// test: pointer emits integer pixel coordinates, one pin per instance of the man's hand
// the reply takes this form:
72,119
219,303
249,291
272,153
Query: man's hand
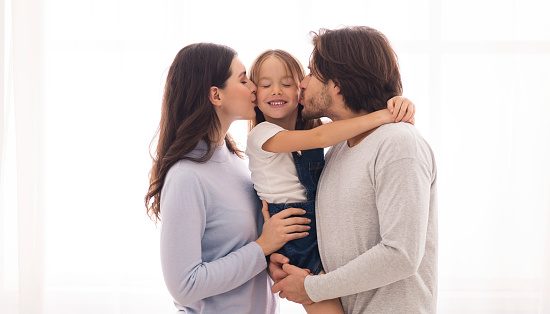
292,287
275,267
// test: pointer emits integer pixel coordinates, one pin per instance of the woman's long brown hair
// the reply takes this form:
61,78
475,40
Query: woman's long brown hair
294,67
187,115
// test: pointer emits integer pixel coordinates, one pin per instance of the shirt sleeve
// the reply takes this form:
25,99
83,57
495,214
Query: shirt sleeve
258,136
402,199
187,277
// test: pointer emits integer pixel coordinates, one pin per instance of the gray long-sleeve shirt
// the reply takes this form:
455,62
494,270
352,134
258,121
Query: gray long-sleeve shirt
377,224
210,217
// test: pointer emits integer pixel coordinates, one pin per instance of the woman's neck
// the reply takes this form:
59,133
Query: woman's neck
220,138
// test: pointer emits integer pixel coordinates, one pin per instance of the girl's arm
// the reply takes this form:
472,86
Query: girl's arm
338,131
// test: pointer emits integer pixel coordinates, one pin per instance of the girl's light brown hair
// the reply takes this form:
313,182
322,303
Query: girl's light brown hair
294,67
187,115
361,62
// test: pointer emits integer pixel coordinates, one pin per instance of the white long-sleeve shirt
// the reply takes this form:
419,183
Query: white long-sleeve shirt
210,217
377,224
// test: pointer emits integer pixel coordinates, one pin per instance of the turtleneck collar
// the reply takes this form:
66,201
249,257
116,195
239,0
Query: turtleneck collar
221,153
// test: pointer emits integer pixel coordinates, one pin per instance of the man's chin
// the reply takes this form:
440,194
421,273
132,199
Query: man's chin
309,115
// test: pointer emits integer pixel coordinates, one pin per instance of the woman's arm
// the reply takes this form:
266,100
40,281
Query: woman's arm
399,109
190,278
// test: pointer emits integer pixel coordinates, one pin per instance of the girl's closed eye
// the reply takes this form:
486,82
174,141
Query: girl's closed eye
288,83
264,83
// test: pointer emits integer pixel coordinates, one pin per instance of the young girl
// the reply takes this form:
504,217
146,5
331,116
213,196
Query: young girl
286,169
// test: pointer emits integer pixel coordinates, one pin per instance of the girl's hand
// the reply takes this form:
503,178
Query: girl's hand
402,109
281,228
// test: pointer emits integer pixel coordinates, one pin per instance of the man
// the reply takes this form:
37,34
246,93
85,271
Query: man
376,201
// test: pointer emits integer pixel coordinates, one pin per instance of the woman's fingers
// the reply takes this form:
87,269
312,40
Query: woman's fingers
296,221
265,211
290,212
296,228
294,236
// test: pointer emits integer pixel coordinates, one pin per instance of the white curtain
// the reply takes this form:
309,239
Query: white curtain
81,84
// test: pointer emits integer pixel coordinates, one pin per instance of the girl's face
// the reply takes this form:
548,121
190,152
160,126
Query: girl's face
278,92
239,95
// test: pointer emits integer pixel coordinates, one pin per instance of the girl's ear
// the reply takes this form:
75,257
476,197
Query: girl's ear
214,96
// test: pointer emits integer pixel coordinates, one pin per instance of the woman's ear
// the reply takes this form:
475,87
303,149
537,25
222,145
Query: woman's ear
214,96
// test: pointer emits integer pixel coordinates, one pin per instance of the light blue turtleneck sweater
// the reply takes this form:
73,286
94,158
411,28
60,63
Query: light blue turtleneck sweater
211,217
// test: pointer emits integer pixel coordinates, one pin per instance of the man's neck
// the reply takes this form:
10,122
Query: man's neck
356,140
347,114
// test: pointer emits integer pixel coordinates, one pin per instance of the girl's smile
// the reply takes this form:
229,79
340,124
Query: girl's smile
278,93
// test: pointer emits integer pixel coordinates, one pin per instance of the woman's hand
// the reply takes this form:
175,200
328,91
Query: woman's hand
281,228
402,109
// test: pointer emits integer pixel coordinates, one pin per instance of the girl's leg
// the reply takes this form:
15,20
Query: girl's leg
325,307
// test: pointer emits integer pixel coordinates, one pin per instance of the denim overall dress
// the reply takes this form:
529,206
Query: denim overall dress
304,252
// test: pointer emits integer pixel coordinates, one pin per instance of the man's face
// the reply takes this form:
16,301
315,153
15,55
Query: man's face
315,98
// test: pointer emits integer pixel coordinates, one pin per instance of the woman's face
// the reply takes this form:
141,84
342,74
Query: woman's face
239,95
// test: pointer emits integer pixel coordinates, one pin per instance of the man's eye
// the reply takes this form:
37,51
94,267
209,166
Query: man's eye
265,86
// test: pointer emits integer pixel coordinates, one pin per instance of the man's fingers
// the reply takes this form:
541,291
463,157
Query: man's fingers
277,287
278,258
282,295
290,269
265,210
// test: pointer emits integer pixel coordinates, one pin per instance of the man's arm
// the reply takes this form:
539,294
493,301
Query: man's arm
403,196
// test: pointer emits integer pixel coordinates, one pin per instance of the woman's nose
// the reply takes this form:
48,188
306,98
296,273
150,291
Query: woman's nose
253,87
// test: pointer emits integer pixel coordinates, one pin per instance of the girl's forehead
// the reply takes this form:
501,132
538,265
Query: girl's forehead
273,63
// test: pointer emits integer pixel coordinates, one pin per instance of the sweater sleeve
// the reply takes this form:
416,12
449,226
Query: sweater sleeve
402,198
184,214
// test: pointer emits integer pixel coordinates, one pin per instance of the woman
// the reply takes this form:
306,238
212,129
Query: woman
212,258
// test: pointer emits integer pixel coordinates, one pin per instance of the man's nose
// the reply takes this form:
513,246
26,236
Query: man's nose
304,82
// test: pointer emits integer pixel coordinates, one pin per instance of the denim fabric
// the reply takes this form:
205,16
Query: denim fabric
304,252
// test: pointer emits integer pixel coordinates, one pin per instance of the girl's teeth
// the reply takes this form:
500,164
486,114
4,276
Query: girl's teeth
277,103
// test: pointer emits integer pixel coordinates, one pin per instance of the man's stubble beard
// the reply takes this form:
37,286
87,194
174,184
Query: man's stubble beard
317,106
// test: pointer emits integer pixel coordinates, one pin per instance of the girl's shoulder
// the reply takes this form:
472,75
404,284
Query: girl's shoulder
260,134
